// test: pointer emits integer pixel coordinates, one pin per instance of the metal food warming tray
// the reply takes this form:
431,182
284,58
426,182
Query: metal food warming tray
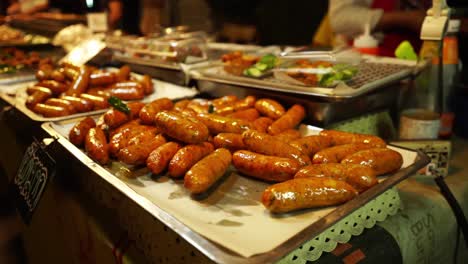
162,198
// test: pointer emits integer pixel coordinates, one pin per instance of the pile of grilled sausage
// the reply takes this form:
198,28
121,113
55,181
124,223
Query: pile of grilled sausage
69,89
199,139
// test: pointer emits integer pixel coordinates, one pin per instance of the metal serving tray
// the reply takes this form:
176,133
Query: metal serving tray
18,96
371,76
164,199
19,76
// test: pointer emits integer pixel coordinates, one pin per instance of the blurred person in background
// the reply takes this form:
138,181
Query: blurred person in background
394,20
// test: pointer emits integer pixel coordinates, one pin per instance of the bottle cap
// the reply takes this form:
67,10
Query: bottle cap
453,26
366,40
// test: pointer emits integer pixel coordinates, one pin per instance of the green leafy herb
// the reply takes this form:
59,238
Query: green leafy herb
118,104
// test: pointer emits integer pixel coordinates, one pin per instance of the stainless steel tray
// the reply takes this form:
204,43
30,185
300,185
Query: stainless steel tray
135,191
371,76
20,76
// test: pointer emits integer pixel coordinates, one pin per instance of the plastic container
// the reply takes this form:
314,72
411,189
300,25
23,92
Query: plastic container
366,43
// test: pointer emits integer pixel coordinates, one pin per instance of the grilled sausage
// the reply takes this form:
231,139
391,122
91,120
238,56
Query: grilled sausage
70,73
222,124
50,110
62,103
149,111
246,103
288,135
268,168
31,89
381,160
99,102
207,171
289,120
186,157
199,106
229,141
57,76
80,84
147,84
337,153
310,145
340,138
54,86
265,144
159,158
120,137
96,145
270,108
123,74
181,105
44,74
128,93
79,131
261,124
102,79
114,118
137,153
359,176
37,97
250,114
185,129
305,193
80,104
227,99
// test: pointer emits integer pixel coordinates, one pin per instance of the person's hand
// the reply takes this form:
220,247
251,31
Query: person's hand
14,9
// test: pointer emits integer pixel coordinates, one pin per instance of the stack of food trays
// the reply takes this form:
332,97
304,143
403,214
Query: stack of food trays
369,87
68,91
14,37
224,173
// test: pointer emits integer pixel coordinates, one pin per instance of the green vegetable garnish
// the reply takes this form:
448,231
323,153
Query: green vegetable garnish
265,63
118,104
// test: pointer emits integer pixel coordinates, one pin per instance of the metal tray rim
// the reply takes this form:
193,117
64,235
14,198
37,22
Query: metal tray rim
218,253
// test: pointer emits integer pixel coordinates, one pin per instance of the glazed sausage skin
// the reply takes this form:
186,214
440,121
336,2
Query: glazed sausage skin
289,120
186,157
381,160
265,144
310,145
261,124
149,111
341,138
270,108
231,141
207,171
288,135
147,84
102,78
79,131
246,103
185,129
96,145
222,124
123,74
227,99
80,84
54,86
181,105
39,96
62,103
337,153
159,159
50,110
250,114
114,118
305,193
359,176
267,168
99,102
81,105
136,153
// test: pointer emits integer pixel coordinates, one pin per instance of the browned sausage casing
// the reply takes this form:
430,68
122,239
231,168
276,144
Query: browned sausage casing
99,102
250,114
261,124
120,137
337,153
102,78
207,171
268,168
123,74
80,84
149,111
32,89
50,110
137,153
227,99
270,108
310,145
81,105
246,103
289,120
341,137
37,97
288,135
269,145
219,124
114,118
62,103
96,145
359,176
305,193
79,131
147,84
159,158
229,141
185,129
54,86
181,105
381,160
187,156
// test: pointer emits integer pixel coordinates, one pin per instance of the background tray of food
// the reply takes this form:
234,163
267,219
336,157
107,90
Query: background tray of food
13,37
18,97
370,76
228,222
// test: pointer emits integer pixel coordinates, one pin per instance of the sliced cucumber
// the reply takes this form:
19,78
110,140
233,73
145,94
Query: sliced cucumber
261,66
254,72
